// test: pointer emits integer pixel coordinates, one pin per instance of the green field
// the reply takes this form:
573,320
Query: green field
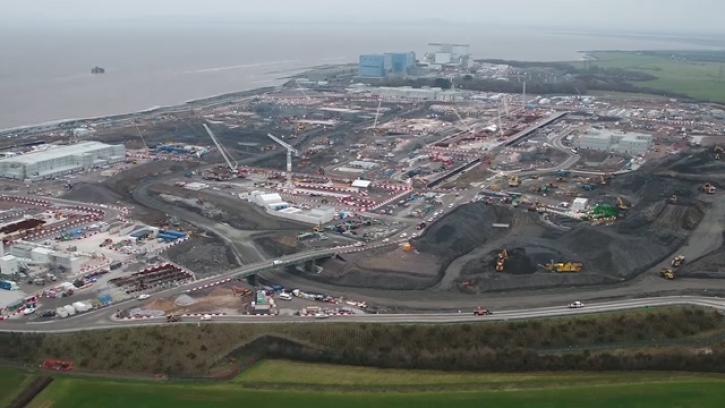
702,80
12,381
282,383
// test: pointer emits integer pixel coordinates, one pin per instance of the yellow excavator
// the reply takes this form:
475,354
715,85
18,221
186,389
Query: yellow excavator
565,267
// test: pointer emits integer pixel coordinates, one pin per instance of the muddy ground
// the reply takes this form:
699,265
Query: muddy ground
237,213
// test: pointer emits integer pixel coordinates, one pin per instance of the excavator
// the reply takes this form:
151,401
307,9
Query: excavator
718,151
514,181
565,267
621,204
708,188
501,261
678,261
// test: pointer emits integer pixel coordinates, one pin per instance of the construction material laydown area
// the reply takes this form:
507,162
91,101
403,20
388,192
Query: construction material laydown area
338,195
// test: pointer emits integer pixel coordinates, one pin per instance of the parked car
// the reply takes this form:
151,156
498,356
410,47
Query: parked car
576,305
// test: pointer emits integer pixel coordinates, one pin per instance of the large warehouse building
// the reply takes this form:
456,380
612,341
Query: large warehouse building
615,141
61,160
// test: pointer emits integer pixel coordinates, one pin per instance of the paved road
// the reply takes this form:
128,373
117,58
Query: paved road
98,321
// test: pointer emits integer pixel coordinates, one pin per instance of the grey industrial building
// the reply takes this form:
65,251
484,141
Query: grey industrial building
618,142
60,160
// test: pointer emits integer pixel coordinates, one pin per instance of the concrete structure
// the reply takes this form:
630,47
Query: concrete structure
634,144
8,265
360,183
580,204
367,165
31,253
595,141
274,205
60,160
315,216
417,94
614,141
270,201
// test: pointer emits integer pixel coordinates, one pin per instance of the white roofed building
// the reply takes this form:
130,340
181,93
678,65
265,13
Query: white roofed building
59,160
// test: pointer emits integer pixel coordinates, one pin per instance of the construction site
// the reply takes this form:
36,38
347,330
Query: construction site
395,197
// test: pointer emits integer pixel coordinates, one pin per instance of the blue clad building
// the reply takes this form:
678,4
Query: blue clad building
382,65
372,65
400,63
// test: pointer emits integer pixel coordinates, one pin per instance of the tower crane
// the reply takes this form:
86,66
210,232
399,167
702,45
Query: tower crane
290,150
232,164
142,138
460,118
500,123
377,114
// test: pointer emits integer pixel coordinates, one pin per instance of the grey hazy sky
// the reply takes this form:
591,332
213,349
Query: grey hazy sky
674,16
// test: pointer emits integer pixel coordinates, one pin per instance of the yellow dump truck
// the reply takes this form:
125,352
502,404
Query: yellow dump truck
565,267
668,274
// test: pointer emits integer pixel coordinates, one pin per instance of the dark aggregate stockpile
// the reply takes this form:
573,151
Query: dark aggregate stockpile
650,232
462,230
204,256
699,163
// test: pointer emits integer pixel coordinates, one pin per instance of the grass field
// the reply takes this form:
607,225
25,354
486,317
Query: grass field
282,383
12,381
702,80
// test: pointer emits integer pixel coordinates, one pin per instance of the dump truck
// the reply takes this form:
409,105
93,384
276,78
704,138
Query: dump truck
678,261
565,267
668,274
708,188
